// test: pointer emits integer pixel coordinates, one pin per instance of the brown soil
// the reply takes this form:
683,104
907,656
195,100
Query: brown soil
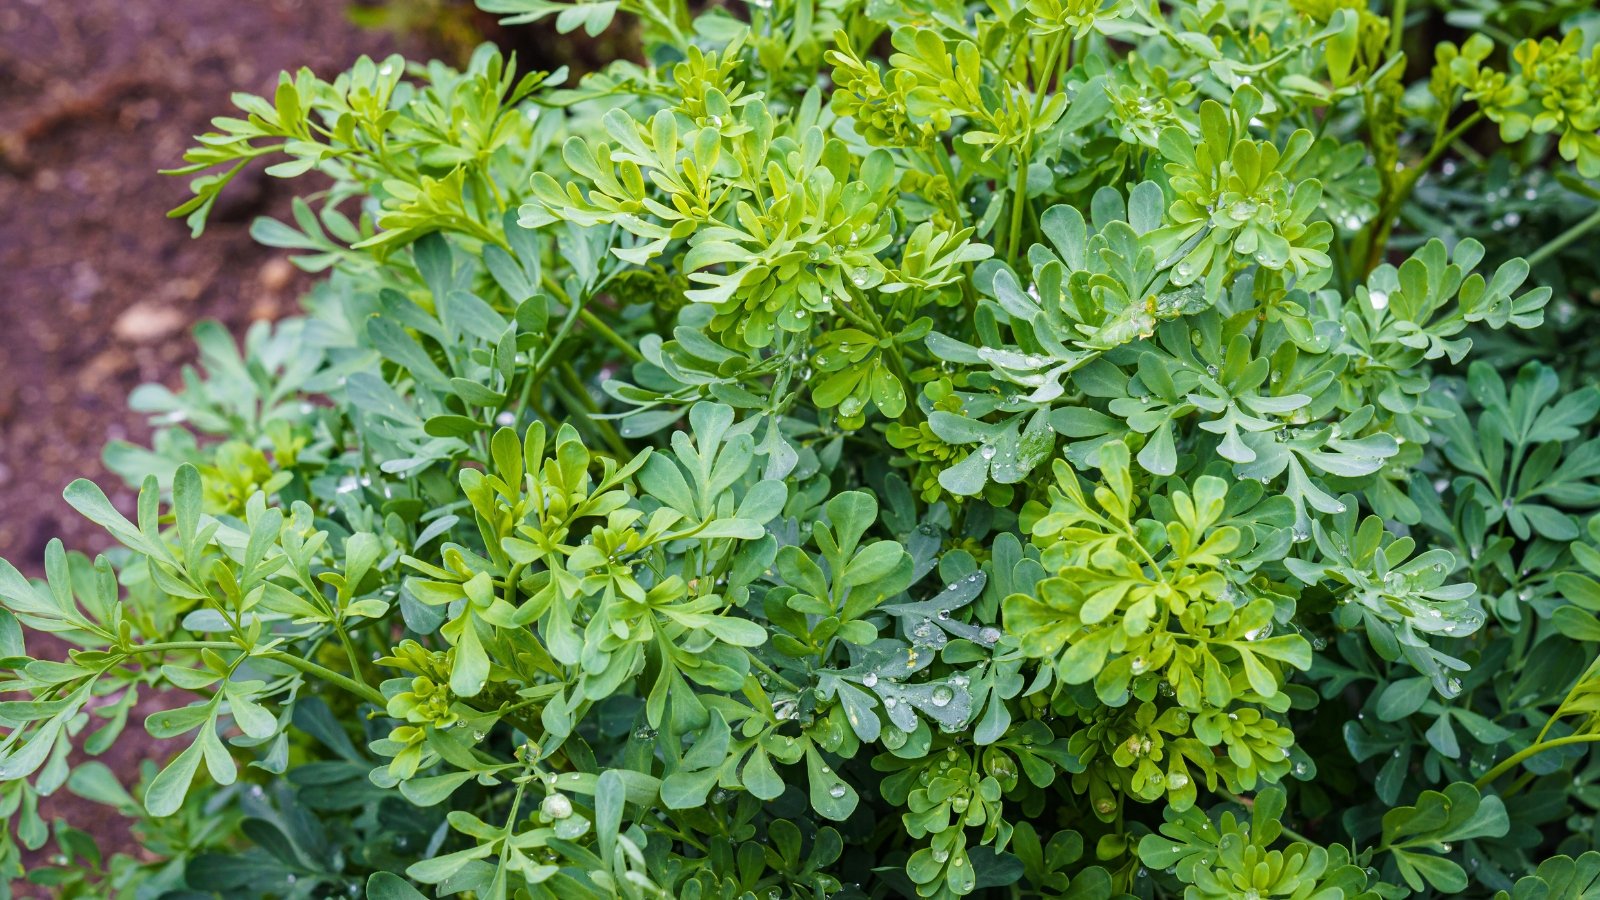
97,287
98,290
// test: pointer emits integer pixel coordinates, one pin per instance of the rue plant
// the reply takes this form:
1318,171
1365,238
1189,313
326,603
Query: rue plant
1073,448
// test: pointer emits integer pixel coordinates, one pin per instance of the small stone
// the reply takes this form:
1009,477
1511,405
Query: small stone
275,275
145,322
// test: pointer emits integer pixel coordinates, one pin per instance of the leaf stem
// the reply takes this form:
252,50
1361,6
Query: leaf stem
1515,759
574,309
511,823
1019,190
1562,707
1377,235
1397,27
361,689
349,648
1566,237
770,671
616,340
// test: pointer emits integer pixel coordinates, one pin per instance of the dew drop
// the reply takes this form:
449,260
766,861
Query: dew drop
556,806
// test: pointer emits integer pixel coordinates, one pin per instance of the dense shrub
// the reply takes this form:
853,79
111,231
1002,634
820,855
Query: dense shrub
1077,449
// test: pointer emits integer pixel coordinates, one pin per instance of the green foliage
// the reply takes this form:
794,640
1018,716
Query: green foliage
861,449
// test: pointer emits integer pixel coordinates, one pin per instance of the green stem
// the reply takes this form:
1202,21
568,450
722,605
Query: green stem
846,307
1019,182
1397,27
1042,84
361,689
1566,237
511,823
468,225
1378,232
1562,707
1515,759
511,585
771,672
593,321
349,649
548,356
1019,190
1443,144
